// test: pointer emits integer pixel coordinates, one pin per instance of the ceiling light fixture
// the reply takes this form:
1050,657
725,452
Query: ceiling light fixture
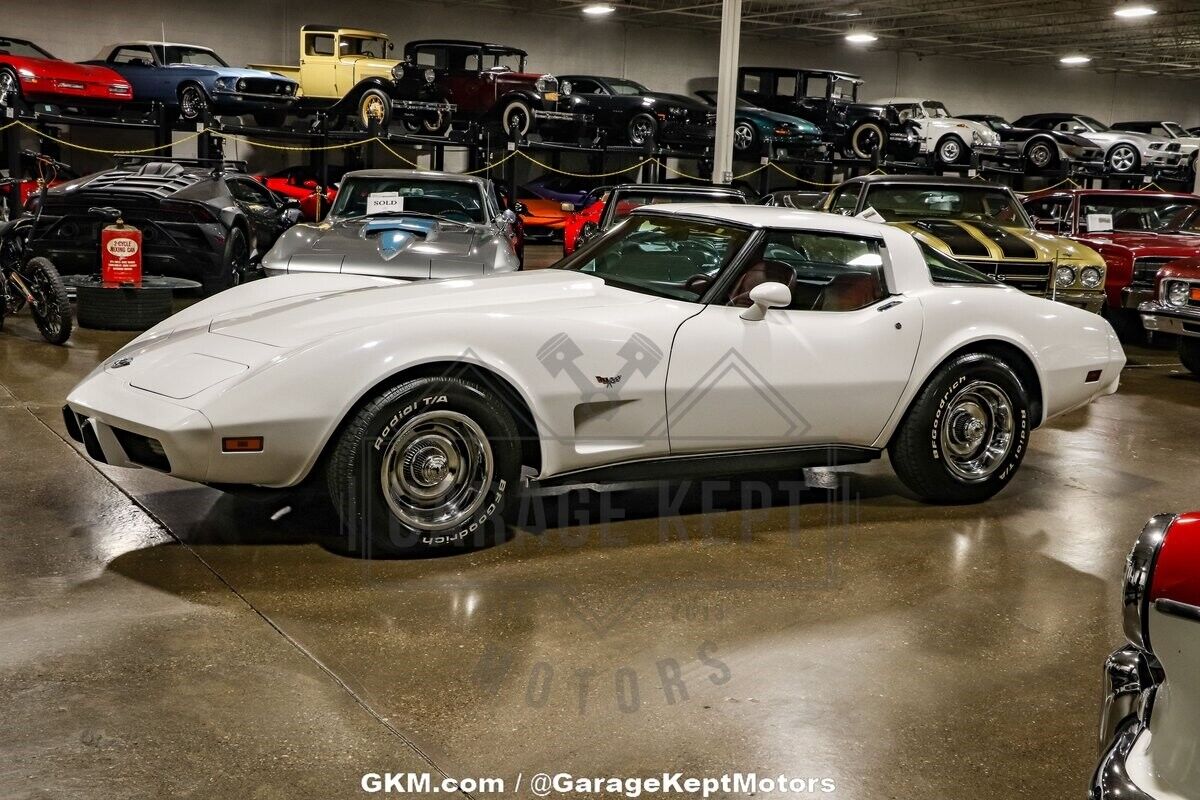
844,12
1074,59
1133,11
862,37
598,9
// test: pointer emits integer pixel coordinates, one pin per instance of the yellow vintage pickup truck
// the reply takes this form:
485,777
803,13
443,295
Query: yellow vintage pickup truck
347,73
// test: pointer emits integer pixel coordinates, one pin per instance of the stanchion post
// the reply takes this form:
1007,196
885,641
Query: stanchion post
514,137
12,146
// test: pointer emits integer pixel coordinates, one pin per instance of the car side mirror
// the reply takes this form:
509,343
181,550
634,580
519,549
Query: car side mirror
767,295
291,215
308,183
509,216
391,46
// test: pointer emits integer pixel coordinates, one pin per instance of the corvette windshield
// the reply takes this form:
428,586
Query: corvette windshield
907,203
663,256
627,88
1136,212
459,201
197,56
21,48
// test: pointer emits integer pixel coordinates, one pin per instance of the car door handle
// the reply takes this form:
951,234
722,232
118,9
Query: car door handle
890,304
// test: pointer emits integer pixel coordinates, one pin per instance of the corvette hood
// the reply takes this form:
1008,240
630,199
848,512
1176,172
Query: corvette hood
973,240
297,320
66,70
407,246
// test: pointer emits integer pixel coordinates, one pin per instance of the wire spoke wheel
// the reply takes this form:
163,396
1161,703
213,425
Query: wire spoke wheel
977,431
436,471
8,88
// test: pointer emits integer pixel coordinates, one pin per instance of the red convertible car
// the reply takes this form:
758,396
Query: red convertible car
29,73
1137,233
300,183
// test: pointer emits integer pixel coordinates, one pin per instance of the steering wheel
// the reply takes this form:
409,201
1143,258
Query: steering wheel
698,284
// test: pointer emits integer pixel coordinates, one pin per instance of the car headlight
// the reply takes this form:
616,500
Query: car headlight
546,83
1177,293
241,85
1064,276
398,71
1156,145
1139,570
223,83
1091,277
430,75
564,88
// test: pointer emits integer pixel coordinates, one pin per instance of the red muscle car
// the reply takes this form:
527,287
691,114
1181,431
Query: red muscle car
29,73
1137,233
1175,308
589,210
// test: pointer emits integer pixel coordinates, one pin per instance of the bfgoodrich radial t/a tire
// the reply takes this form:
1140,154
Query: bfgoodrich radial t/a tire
429,466
965,433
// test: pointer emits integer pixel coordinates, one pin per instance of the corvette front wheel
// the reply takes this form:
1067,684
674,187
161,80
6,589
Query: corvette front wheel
427,467
966,432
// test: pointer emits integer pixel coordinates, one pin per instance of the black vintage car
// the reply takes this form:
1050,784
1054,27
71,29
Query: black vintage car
207,221
1042,150
829,100
632,113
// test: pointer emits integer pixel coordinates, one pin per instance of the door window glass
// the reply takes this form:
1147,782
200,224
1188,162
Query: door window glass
824,271
138,56
318,44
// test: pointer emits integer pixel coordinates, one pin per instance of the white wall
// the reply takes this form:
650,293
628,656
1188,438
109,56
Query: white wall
266,31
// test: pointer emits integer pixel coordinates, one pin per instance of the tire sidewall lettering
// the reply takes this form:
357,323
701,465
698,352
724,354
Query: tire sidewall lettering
393,424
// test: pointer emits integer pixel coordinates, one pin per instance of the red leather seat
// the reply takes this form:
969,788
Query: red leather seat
849,291
758,274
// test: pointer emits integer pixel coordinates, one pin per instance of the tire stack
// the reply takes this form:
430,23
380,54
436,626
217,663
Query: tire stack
122,308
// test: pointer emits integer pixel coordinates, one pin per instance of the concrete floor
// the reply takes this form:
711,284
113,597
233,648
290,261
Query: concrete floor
160,639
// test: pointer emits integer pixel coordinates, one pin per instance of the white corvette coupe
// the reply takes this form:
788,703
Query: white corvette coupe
689,340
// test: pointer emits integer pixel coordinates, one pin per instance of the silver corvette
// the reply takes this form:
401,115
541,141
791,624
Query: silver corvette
404,224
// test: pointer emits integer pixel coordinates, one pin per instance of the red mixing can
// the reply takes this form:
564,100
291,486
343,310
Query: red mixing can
120,255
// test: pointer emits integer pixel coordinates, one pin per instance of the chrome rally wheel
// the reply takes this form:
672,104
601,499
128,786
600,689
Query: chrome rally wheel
966,432
435,472
977,431
430,465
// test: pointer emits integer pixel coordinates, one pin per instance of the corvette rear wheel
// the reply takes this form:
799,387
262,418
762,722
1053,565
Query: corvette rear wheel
1189,353
1040,155
429,466
966,432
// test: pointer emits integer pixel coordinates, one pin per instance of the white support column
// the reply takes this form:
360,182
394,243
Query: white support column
731,34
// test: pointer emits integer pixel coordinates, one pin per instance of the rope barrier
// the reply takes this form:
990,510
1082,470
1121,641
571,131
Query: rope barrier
74,146
384,145
798,179
559,171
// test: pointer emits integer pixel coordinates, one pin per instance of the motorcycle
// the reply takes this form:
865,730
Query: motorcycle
33,282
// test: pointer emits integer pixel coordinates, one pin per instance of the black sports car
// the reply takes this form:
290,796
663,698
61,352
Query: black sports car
631,112
207,221
1041,149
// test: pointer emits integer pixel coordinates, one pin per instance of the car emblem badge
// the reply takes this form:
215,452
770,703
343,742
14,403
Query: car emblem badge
392,243
608,382
121,362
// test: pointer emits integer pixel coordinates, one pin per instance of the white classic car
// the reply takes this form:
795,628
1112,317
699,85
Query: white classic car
1151,715
693,339
950,139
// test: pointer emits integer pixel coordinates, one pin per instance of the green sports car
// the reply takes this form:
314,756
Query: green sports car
756,129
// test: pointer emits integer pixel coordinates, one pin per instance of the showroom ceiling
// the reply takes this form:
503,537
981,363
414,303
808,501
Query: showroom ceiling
1009,31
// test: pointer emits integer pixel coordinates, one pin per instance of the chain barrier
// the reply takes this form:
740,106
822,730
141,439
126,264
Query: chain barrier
547,167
